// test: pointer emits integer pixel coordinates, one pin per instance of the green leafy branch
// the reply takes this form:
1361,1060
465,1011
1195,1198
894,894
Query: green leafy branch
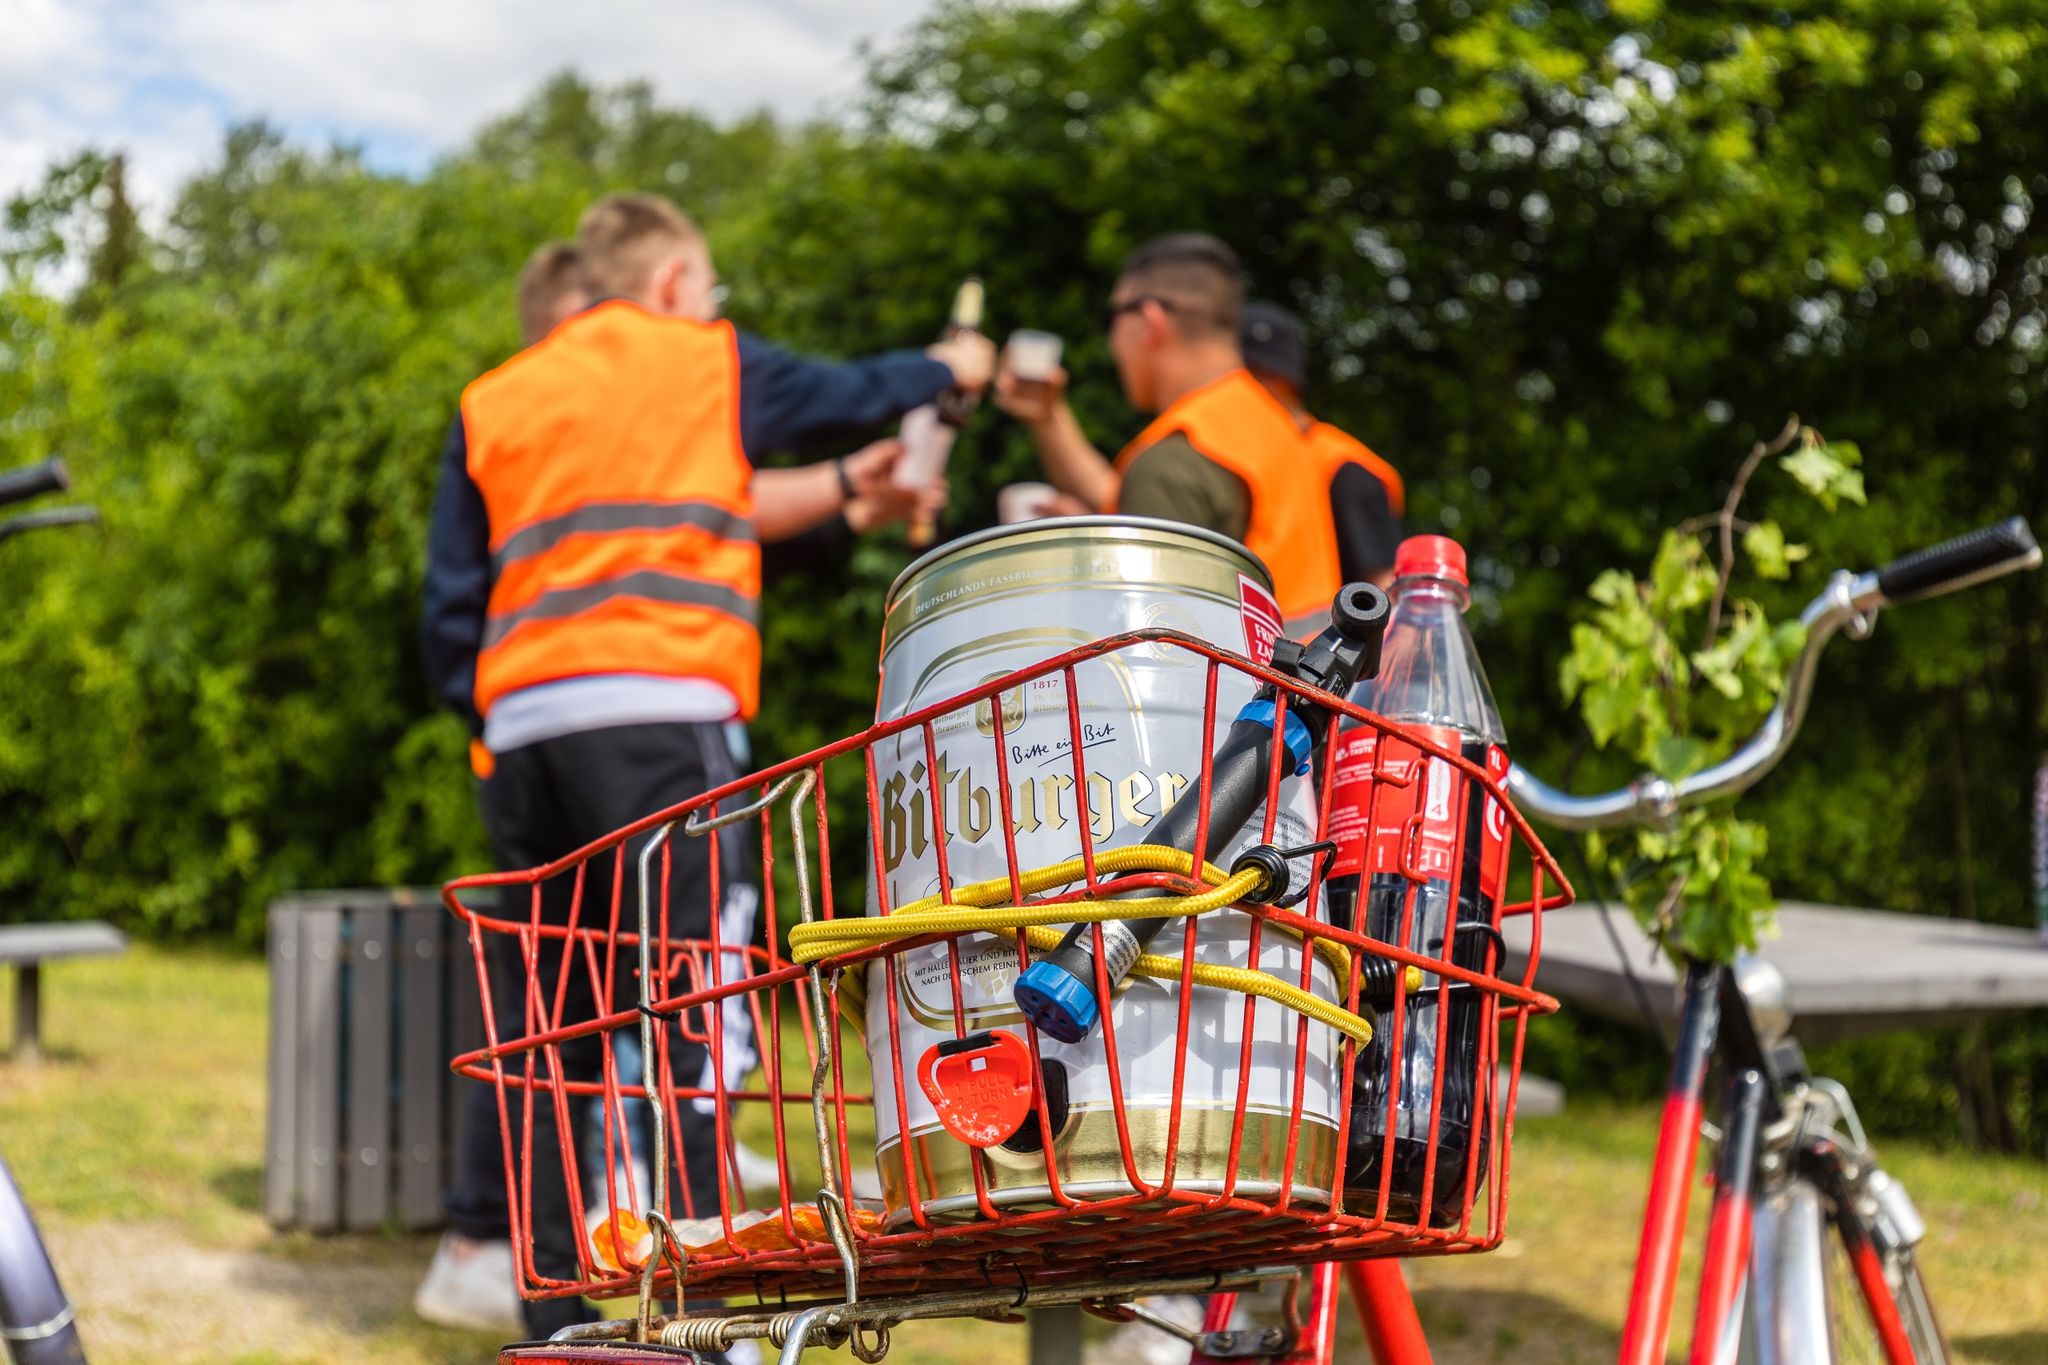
1675,673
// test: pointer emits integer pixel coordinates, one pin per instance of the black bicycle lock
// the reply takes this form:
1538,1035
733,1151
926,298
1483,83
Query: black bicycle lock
1057,991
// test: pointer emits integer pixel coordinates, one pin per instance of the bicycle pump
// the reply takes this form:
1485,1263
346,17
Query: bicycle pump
1057,991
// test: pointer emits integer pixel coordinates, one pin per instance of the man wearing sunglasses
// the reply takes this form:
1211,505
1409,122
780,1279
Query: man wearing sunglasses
1222,453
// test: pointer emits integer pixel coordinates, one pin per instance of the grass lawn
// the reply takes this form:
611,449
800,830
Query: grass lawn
140,1146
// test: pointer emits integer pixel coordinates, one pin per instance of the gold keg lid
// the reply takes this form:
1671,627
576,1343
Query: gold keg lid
1106,528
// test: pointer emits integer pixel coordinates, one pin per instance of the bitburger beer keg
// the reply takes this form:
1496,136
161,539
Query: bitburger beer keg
969,613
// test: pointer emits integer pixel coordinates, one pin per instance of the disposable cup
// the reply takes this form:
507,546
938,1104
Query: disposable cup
1024,502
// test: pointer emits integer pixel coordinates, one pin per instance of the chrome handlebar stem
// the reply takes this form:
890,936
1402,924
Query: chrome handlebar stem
1849,602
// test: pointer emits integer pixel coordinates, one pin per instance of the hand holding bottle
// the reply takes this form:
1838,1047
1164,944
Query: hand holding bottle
893,503
871,470
969,355
928,431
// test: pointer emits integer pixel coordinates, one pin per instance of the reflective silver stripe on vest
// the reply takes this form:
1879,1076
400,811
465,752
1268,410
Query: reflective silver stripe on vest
652,584
599,517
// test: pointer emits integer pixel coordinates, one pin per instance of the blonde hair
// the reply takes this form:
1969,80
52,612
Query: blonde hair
551,275
624,236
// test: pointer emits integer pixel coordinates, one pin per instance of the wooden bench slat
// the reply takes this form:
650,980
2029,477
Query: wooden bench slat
366,1167
1848,972
43,942
319,1119
280,1164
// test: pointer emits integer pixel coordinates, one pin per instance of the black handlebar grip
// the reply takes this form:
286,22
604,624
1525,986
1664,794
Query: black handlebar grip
1988,552
34,480
1360,611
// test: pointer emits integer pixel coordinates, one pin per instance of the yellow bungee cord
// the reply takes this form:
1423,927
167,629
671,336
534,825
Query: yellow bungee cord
984,907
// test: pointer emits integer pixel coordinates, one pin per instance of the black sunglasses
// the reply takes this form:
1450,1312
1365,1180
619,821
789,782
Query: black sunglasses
1115,310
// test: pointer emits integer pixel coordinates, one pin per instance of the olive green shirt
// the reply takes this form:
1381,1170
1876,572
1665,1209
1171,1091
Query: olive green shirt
1173,481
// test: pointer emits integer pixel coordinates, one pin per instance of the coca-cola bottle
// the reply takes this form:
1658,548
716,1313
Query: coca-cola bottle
1441,872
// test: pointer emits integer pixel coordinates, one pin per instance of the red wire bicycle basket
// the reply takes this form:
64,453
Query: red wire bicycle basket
1224,1115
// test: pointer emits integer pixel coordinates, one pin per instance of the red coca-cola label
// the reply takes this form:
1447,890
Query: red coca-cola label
1381,784
1351,813
1493,829
1263,624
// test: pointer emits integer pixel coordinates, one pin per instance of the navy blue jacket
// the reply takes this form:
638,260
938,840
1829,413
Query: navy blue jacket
785,400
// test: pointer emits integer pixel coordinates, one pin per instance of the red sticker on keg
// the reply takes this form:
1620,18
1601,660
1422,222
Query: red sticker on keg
1263,624
980,1085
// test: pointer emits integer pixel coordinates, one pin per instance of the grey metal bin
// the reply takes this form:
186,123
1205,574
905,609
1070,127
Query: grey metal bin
371,993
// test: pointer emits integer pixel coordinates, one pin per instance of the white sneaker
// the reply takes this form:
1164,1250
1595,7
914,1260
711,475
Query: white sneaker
471,1285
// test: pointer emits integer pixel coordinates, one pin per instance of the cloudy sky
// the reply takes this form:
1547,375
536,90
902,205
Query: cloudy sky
403,78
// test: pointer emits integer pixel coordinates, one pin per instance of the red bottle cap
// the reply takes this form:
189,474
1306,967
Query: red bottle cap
1437,556
982,1085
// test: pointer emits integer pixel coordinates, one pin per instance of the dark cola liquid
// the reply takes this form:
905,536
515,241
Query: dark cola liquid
1462,1027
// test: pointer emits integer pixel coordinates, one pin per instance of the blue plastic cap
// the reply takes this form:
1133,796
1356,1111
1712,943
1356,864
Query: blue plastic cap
1056,1001
1300,743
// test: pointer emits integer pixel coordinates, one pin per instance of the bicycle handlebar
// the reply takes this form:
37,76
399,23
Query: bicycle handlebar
54,516
1982,554
36,1325
1850,601
33,480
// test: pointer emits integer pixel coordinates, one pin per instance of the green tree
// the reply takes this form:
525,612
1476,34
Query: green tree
1678,670
217,697
1558,261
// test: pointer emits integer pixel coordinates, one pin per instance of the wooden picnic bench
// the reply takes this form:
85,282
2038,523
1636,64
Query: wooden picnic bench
1848,972
26,947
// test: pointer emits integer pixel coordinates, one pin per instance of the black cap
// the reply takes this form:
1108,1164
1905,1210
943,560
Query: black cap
1272,344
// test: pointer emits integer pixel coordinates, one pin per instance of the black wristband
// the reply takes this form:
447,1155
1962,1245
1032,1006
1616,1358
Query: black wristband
845,484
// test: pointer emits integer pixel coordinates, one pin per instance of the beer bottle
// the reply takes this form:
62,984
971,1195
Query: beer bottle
927,432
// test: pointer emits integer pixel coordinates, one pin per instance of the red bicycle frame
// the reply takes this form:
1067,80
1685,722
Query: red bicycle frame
1671,1176
1388,1312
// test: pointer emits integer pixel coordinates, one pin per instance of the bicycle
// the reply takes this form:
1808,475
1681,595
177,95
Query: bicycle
1793,1157
833,1270
36,1318
1793,1160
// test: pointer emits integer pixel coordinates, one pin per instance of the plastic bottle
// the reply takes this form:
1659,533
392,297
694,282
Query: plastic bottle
1430,682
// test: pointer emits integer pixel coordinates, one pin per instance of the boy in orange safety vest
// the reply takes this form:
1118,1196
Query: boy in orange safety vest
592,593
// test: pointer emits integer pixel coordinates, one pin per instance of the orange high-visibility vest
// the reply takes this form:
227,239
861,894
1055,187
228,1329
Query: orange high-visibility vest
1237,424
622,529
1336,447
